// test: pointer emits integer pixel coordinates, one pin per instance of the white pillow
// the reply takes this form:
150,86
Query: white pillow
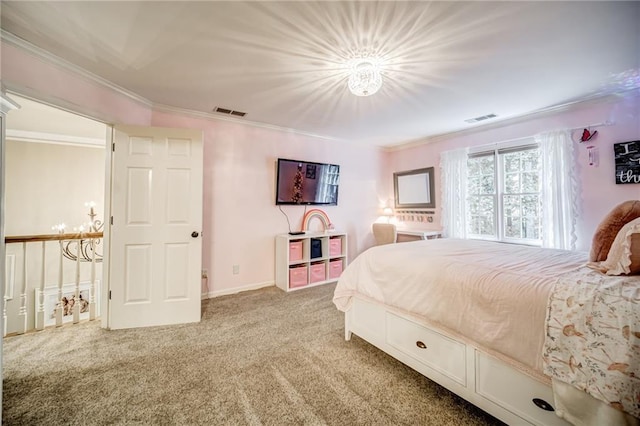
624,254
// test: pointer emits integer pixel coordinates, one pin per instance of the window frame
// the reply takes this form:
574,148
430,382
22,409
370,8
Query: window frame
497,153
494,197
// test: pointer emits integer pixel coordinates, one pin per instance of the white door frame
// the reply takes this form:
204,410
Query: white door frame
105,314
6,105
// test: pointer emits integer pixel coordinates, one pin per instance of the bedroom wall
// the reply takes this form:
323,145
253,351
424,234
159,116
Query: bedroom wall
598,191
241,219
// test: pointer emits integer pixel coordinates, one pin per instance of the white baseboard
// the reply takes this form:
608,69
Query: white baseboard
225,292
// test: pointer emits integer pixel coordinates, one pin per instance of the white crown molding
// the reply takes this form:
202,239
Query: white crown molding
57,61
541,113
44,55
212,116
53,138
7,104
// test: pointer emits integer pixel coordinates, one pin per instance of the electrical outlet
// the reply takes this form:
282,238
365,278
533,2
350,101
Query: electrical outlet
205,274
236,269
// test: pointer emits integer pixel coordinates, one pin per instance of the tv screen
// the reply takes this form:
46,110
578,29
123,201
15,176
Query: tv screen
305,182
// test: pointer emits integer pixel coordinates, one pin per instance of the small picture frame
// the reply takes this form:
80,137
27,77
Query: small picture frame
68,295
627,159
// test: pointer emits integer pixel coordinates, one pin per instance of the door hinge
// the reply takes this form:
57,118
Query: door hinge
113,146
109,294
111,220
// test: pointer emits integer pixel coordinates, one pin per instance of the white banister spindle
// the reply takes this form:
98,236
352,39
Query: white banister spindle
71,304
40,301
60,306
22,313
92,291
76,304
4,314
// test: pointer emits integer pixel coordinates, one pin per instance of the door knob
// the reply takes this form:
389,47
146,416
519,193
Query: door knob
194,234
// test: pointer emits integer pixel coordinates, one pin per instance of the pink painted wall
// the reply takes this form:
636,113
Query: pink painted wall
241,219
598,191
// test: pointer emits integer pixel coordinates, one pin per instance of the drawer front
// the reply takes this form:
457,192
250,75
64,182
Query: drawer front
514,391
317,273
298,277
335,247
439,352
335,269
295,251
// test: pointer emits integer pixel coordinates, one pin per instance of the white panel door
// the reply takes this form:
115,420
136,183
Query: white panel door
155,238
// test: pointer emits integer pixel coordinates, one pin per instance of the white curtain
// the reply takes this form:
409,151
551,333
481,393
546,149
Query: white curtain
453,165
559,190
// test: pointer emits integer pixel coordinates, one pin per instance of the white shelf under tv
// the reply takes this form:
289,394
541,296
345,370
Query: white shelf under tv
286,259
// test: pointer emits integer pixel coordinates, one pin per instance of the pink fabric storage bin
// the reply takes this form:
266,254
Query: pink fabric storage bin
295,251
335,246
298,276
317,272
335,268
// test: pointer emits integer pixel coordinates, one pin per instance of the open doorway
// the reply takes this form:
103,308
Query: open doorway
54,174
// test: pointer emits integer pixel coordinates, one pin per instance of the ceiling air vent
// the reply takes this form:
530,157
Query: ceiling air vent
229,112
481,118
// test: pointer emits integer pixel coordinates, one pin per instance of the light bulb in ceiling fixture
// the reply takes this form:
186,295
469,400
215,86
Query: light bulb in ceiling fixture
365,78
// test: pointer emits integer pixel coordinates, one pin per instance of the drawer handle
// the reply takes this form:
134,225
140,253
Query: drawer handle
541,403
421,345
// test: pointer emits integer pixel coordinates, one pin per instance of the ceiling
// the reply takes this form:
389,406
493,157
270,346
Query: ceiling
283,63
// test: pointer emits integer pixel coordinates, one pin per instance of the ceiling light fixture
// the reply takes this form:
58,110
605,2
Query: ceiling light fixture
365,78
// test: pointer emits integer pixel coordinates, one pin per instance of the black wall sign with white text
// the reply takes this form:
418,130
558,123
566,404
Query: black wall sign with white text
627,155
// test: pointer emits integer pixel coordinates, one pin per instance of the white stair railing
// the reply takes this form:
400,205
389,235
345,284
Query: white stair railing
85,251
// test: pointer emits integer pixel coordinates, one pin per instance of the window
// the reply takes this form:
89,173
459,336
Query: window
503,189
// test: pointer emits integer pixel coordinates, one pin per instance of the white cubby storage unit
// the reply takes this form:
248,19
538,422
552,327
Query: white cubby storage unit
309,260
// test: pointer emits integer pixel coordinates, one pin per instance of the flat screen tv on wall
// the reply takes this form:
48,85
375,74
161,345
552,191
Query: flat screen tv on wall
306,182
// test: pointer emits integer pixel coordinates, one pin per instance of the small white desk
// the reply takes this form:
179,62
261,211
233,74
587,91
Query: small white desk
420,234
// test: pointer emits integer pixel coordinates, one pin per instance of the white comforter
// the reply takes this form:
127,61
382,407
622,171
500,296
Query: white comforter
492,294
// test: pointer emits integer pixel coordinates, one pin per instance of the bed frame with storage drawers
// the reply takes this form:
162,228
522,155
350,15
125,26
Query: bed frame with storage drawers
485,381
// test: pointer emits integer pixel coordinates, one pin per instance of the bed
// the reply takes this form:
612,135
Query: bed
475,317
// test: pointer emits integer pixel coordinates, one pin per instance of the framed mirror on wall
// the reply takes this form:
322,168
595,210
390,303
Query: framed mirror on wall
414,189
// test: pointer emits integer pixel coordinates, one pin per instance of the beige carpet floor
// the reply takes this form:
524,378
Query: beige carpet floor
260,357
